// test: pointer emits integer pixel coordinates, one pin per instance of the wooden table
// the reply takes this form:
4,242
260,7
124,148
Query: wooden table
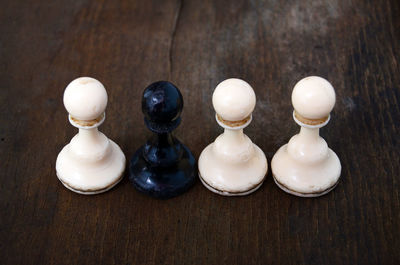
196,44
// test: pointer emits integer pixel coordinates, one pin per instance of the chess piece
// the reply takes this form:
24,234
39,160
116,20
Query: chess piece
163,167
91,163
306,166
232,165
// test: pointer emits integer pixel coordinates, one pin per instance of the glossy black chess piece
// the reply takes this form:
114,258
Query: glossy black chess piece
163,167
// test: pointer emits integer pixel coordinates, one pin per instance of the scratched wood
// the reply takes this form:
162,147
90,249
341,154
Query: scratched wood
196,44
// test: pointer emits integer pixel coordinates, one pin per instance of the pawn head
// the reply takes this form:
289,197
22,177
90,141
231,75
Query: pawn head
85,98
234,100
313,98
162,104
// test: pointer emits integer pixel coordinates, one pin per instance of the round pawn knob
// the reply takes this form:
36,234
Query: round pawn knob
85,98
162,104
234,101
313,98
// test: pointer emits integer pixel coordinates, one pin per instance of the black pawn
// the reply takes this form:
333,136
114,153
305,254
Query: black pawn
163,167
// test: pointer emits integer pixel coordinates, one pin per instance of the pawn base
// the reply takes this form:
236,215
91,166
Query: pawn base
227,193
305,195
89,192
305,179
90,178
163,182
232,179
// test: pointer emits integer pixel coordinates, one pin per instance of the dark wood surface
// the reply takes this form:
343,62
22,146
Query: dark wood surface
196,44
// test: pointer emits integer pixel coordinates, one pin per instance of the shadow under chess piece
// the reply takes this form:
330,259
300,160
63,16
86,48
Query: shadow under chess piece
91,163
232,165
163,167
306,166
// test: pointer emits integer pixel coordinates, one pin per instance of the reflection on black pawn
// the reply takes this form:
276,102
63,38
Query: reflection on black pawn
163,167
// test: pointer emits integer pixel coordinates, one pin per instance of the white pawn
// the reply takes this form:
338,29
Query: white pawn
91,163
232,165
306,166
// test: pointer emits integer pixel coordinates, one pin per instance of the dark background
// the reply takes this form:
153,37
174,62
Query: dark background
196,44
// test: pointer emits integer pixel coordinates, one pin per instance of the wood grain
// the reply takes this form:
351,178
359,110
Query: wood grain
196,44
